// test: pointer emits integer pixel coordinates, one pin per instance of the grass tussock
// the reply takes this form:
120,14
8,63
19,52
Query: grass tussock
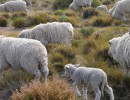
55,90
3,22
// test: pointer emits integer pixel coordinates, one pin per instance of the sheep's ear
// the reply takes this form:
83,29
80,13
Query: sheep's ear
109,42
76,65
66,67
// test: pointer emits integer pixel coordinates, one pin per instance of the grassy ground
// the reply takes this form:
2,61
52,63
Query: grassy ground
89,48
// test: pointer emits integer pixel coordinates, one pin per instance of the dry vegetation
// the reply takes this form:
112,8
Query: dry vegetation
92,30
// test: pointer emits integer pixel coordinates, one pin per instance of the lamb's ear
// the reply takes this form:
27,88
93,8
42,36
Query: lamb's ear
66,67
109,42
76,65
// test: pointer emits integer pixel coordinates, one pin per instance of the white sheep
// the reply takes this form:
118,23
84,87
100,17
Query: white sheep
120,49
14,6
28,54
77,4
113,8
55,32
84,76
102,8
122,7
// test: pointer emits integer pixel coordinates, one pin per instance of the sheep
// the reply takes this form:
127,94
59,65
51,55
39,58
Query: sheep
122,7
102,8
77,4
13,6
120,49
84,75
28,54
55,32
113,8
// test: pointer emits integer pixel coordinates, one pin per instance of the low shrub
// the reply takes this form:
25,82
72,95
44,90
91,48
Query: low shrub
87,31
96,3
55,90
59,12
3,22
19,22
102,21
18,14
89,12
61,4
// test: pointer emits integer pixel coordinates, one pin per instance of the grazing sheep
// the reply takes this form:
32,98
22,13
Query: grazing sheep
102,8
77,4
120,51
122,7
13,6
83,75
28,54
56,32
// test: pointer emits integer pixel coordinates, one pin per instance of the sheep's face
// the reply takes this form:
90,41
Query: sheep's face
21,35
69,69
113,46
73,6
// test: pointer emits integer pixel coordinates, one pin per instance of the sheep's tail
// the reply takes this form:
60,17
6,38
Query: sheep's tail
103,84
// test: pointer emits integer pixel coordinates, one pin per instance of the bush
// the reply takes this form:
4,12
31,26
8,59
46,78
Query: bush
18,14
37,18
96,3
102,21
87,31
55,90
61,4
19,22
59,12
88,12
3,22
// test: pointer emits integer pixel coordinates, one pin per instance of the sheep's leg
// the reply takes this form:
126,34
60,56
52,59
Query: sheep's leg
96,89
85,92
44,70
37,75
45,73
76,89
109,91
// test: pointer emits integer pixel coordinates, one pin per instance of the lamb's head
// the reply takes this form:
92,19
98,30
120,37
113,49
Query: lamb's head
113,43
73,6
70,68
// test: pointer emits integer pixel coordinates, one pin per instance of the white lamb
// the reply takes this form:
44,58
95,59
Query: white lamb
56,32
102,8
94,76
28,54
13,6
122,7
120,51
77,4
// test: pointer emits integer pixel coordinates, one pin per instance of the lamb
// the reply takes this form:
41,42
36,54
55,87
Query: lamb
102,8
94,76
122,7
77,4
120,49
13,6
55,32
28,54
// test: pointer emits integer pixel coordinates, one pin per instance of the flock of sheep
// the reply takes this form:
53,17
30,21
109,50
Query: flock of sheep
29,51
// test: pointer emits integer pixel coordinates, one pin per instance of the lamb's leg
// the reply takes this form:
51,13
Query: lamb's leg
109,91
95,86
76,89
85,92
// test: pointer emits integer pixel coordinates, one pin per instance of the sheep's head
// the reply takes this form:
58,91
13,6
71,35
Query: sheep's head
25,33
113,43
70,68
73,6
